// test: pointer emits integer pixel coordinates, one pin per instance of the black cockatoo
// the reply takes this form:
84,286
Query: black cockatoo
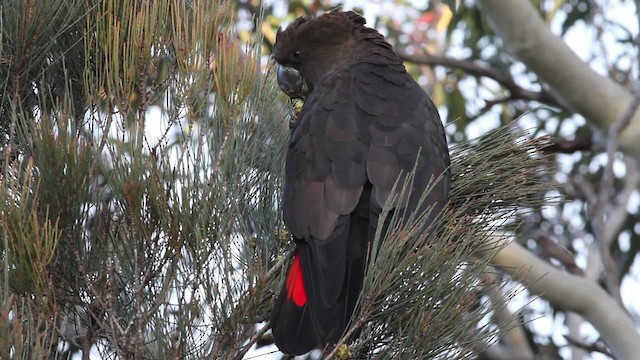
364,124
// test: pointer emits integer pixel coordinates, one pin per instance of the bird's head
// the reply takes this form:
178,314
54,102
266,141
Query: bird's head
311,47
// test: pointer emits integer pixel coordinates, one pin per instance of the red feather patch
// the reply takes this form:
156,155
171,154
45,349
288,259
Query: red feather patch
295,283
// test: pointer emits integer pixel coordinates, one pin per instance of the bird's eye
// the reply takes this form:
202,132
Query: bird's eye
296,54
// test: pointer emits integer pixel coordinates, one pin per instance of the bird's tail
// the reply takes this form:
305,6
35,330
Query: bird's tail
300,321
291,323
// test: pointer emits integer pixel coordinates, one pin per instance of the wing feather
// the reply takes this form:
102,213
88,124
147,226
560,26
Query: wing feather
362,124
341,199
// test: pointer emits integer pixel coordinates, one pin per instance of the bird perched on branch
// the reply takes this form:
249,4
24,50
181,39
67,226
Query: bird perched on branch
365,124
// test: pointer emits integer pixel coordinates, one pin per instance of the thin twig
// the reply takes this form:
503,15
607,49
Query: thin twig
276,267
472,68
273,271
601,212
617,213
240,355
558,252
593,347
364,317
564,146
583,188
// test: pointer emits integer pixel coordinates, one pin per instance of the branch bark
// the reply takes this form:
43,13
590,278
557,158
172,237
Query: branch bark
572,293
599,99
475,69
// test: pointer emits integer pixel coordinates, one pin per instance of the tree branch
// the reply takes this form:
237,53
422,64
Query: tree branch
564,146
245,349
472,68
592,347
558,252
599,99
571,293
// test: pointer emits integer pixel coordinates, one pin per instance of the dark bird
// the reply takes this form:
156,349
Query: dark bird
365,124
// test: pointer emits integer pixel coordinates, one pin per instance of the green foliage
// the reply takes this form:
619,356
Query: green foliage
39,56
142,233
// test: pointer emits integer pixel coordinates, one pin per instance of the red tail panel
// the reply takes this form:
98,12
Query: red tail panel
295,283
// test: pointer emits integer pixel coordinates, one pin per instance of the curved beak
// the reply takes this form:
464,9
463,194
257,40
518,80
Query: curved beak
291,82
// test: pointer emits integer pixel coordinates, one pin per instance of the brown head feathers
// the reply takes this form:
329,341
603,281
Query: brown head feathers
316,45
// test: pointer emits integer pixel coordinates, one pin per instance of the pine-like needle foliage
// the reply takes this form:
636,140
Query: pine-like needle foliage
139,192
422,297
